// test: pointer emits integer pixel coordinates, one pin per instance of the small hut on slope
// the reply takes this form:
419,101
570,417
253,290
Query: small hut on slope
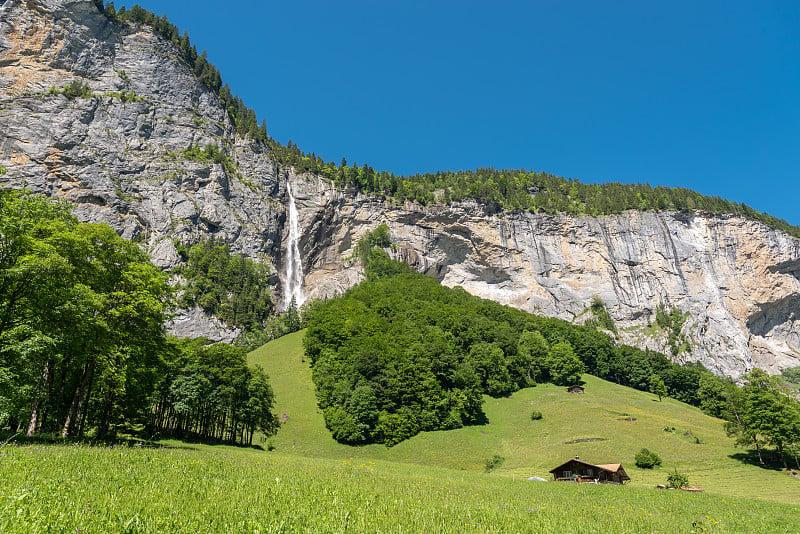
576,470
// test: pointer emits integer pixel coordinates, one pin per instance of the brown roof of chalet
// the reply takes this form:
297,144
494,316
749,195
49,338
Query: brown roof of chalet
609,467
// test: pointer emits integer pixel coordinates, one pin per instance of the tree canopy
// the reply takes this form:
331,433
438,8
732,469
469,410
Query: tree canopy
81,320
83,349
762,413
231,286
400,353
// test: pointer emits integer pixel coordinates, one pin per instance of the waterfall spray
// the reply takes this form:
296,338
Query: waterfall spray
294,265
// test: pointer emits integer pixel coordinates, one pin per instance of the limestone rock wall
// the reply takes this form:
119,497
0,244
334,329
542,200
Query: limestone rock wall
118,159
738,279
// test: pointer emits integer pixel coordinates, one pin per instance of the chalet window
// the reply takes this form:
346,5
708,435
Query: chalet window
590,472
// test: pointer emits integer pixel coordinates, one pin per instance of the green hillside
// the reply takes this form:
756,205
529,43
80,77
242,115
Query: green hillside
607,424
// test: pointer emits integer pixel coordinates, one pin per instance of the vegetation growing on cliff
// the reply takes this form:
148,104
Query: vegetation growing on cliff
80,89
540,192
601,318
672,321
230,286
209,153
792,375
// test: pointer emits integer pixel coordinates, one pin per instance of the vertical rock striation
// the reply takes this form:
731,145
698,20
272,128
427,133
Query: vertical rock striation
739,280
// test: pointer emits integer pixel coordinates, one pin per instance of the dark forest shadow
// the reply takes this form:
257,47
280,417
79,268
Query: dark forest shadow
772,461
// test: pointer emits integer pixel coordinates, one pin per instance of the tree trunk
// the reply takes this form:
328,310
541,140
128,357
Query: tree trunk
34,421
82,417
75,410
105,421
33,424
58,394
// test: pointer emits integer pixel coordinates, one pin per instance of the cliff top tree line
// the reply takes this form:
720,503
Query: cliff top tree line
518,189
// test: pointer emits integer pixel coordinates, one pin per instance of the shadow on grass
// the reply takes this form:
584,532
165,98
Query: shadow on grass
55,439
771,462
480,420
118,441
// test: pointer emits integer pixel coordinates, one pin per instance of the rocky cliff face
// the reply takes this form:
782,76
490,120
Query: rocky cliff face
738,279
118,160
115,156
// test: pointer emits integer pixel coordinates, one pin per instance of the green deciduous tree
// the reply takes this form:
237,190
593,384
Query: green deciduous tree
658,387
563,364
79,303
761,413
532,350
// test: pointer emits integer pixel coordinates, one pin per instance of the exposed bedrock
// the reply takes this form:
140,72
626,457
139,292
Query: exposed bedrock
737,278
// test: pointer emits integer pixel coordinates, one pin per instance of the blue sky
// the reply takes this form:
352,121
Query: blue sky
704,95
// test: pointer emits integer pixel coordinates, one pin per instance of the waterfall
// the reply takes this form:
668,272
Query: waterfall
294,265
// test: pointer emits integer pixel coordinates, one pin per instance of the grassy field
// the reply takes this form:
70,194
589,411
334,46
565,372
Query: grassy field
75,488
431,483
619,421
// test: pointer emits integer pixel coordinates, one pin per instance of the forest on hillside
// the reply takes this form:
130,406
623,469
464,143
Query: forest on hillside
400,354
515,189
230,286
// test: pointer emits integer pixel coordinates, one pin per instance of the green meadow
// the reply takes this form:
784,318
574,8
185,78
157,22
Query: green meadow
217,489
606,424
434,482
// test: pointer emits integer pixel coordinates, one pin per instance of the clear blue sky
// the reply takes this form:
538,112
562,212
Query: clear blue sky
704,95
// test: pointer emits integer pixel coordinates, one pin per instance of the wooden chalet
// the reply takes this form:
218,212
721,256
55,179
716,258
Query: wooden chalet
575,389
576,470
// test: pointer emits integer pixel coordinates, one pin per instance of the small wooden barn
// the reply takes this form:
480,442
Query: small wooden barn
576,470
575,389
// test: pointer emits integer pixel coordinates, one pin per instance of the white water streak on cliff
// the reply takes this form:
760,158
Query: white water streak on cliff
294,265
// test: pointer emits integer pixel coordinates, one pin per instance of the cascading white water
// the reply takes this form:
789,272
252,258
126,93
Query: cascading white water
294,265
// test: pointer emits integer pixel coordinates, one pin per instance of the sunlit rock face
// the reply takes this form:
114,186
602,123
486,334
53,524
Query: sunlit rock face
118,161
738,279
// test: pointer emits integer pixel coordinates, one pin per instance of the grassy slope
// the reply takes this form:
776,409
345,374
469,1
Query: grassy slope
138,490
535,447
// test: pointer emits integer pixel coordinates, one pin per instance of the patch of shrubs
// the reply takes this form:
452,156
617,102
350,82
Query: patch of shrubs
677,480
536,415
647,460
493,463
74,89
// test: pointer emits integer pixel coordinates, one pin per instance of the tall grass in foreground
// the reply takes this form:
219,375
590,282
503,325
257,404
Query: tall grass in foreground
75,488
